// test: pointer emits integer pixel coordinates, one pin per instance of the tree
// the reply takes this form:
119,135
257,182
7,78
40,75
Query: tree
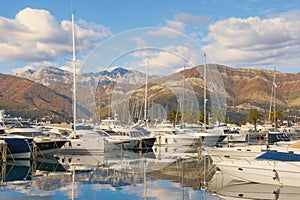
253,117
278,115
218,116
174,115
190,116
201,116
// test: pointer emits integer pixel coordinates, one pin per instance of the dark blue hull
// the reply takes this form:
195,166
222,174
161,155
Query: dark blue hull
18,148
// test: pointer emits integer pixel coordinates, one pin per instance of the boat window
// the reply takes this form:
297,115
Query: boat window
29,134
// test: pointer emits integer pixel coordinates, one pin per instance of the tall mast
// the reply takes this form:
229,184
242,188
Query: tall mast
74,75
204,87
146,91
183,97
274,97
271,101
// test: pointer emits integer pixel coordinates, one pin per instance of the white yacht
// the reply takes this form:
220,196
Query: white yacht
186,137
264,171
43,144
115,140
246,151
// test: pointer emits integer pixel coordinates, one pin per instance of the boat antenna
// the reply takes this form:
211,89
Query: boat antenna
146,91
204,87
183,97
274,98
74,74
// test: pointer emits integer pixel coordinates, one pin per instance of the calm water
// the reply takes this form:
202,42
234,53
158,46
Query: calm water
114,175
163,174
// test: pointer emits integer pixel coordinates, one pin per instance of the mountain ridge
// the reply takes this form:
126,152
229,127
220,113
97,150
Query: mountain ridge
244,89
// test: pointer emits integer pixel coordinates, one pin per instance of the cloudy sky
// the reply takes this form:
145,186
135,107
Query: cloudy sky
168,34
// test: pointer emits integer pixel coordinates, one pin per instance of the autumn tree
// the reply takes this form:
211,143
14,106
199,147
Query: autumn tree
274,117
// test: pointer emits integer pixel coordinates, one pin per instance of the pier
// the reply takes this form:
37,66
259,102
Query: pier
3,147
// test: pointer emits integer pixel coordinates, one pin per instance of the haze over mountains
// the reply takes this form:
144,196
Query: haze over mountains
47,92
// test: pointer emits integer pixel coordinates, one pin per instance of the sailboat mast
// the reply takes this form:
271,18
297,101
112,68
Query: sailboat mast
204,87
146,91
183,98
74,74
274,97
271,101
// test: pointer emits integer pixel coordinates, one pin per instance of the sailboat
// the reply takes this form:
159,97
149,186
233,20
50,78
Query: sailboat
81,141
275,136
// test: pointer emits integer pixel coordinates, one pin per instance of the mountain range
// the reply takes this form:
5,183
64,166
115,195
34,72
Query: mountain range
47,92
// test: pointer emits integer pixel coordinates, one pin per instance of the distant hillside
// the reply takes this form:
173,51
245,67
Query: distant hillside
254,86
22,97
251,88
244,89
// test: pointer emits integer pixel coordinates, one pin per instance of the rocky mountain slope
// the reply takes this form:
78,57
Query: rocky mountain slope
48,91
22,97
50,75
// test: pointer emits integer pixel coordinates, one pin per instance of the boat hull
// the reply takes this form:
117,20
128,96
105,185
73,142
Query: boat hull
263,171
18,147
49,147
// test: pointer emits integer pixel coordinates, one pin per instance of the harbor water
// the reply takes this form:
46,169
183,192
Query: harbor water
115,175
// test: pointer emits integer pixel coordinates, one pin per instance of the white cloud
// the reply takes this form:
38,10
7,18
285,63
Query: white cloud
167,60
254,41
179,23
23,69
176,25
35,35
34,66
194,20
139,42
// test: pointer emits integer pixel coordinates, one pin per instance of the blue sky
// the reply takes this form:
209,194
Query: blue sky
112,33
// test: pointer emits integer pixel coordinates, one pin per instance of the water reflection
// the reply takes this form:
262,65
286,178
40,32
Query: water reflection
164,173
227,188
114,175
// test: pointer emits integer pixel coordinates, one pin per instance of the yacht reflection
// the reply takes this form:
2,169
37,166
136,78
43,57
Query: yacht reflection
258,191
22,171
138,174
16,172
120,168
227,188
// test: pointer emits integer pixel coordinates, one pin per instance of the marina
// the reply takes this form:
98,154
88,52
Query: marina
177,171
180,100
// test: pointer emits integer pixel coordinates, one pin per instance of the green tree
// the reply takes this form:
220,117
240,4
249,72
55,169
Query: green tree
174,115
253,117
190,116
218,116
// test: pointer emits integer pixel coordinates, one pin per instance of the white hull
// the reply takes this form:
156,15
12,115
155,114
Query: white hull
207,139
25,155
247,152
173,152
174,140
87,142
117,143
238,137
263,171
79,146
225,153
